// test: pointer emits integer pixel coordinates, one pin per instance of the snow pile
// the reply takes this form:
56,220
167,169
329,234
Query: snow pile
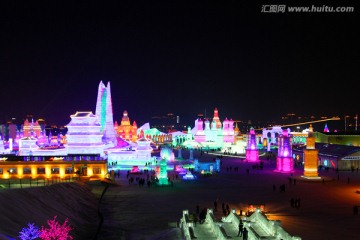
72,201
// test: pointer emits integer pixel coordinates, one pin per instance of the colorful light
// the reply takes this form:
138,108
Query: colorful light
284,161
252,152
30,232
311,156
163,177
56,230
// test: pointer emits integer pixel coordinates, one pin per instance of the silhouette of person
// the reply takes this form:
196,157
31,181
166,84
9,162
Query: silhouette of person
195,219
202,216
241,225
245,234
292,202
356,210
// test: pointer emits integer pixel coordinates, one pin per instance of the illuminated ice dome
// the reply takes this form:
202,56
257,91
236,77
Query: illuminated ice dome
167,154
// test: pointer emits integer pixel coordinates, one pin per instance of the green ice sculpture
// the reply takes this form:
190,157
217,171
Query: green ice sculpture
163,177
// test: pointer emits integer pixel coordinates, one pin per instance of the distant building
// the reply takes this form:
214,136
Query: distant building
334,156
54,169
168,123
341,138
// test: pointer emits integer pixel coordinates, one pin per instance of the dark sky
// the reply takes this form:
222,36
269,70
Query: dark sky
177,56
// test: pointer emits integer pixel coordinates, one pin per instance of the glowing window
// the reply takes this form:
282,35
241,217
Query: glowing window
12,171
68,170
40,170
55,170
96,170
27,170
1,171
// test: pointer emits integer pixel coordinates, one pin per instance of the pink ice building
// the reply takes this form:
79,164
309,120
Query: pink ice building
200,134
228,131
284,160
214,131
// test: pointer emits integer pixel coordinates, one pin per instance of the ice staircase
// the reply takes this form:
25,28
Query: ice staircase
257,224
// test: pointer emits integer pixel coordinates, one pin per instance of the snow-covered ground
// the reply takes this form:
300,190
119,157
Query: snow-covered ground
325,212
134,212
74,201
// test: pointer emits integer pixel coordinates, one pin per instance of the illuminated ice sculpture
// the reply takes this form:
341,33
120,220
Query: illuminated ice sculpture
311,157
179,153
326,129
125,130
163,177
131,155
167,154
213,133
284,160
104,112
2,148
207,166
84,135
188,176
191,157
252,151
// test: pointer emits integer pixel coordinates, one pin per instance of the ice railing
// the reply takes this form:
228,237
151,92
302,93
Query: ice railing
186,224
272,229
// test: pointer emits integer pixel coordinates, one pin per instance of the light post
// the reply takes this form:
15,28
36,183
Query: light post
345,121
356,122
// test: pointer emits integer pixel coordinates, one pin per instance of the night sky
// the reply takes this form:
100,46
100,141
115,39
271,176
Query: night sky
177,56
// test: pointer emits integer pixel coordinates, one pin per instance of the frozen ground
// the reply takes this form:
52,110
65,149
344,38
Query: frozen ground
133,212
325,212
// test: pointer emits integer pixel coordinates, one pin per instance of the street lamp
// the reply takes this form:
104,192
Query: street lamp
346,116
356,122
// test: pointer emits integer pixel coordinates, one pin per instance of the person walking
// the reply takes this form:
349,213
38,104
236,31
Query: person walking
241,226
195,219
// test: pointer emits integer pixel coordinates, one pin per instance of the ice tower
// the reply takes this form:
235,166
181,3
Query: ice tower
252,152
284,161
216,118
104,112
326,129
311,157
